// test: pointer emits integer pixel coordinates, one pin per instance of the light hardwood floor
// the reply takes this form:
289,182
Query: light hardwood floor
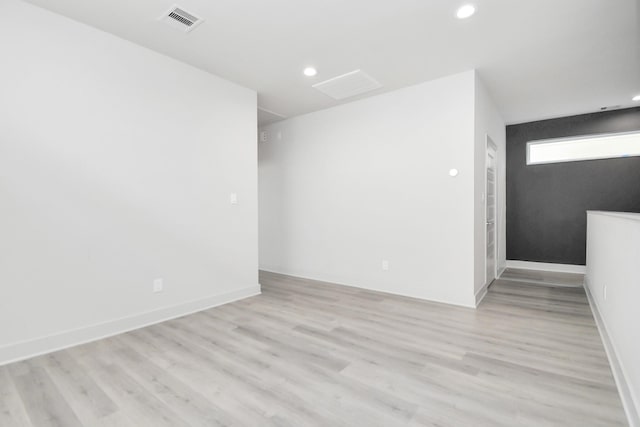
543,277
306,353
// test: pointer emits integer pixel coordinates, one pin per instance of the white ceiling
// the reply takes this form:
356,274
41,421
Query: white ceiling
539,58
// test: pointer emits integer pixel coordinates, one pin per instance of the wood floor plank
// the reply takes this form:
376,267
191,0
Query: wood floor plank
189,404
211,383
262,387
310,353
142,407
43,401
88,401
12,411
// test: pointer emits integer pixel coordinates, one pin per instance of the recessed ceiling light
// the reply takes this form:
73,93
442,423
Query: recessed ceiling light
636,98
465,11
310,71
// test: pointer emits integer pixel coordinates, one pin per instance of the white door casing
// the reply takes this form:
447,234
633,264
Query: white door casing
491,204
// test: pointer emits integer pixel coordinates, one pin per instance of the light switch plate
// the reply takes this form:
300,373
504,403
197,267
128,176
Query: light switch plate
233,199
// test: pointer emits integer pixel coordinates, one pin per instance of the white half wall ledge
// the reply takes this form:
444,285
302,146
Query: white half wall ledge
547,266
616,367
15,352
611,283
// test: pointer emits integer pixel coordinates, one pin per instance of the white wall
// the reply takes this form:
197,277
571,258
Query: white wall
344,188
116,165
488,121
613,252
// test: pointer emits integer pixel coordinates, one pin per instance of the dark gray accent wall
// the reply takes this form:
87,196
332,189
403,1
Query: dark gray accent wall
547,204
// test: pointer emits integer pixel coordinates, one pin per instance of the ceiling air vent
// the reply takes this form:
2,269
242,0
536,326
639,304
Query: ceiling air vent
180,19
348,85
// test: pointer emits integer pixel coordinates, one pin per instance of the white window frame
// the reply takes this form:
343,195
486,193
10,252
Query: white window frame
577,139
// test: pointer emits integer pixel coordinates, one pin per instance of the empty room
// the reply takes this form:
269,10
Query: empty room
338,213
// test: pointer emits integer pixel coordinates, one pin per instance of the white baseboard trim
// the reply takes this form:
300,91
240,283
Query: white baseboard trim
546,266
35,347
482,292
350,285
500,271
630,408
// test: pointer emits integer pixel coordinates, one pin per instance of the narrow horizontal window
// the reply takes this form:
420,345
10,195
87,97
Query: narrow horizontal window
606,146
